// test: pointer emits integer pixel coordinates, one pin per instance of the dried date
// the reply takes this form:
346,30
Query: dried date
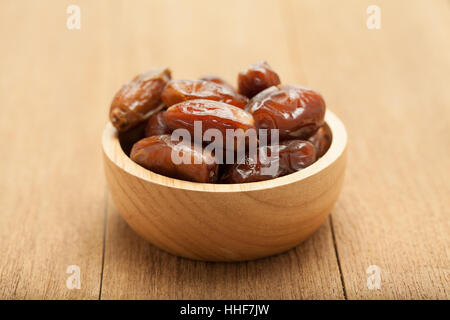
156,153
178,91
295,111
137,99
285,158
256,78
218,80
211,114
156,125
321,140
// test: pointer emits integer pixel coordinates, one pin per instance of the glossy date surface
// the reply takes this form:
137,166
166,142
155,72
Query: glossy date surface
293,155
134,102
178,91
156,154
256,78
156,125
216,79
211,114
321,140
295,111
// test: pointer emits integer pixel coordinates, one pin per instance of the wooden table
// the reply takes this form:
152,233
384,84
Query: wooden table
389,86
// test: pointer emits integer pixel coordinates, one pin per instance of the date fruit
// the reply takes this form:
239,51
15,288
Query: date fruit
256,78
137,99
293,155
220,125
211,114
218,80
178,91
156,125
249,172
155,153
321,140
296,155
295,111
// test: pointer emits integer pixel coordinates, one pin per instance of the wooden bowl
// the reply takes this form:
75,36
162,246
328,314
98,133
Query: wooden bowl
220,222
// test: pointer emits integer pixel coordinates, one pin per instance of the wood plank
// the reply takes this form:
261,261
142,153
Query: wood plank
135,269
196,38
52,190
390,86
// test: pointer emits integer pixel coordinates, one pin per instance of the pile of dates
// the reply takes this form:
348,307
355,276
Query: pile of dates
287,122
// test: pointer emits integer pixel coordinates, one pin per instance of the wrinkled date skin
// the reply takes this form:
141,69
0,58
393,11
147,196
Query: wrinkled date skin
296,111
296,155
156,125
212,114
178,91
151,108
321,140
136,100
218,80
155,153
293,155
248,172
256,78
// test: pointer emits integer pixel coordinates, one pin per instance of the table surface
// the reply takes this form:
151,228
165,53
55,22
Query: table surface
389,86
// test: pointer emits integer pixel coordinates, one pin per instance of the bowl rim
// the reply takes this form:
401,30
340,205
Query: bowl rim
113,150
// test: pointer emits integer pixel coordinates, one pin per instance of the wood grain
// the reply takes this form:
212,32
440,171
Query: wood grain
389,86
135,269
52,190
202,46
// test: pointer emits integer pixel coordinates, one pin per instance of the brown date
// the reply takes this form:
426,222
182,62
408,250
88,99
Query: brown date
155,153
321,140
256,78
178,91
136,100
296,155
211,114
293,155
156,125
218,80
295,111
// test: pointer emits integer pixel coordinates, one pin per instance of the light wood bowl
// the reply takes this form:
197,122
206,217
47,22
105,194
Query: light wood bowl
220,222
